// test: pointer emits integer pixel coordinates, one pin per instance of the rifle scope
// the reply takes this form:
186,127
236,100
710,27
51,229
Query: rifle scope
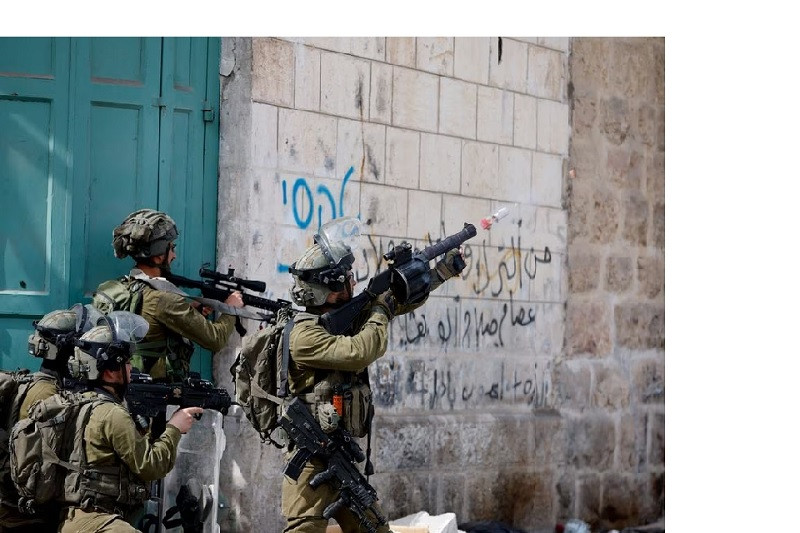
253,285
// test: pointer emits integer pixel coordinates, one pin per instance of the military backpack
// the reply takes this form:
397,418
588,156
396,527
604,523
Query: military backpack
121,294
13,388
256,373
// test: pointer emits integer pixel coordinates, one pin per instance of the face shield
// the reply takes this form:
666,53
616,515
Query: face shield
124,329
125,326
339,240
86,317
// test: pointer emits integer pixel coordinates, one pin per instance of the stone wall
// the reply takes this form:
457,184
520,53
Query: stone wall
504,396
611,383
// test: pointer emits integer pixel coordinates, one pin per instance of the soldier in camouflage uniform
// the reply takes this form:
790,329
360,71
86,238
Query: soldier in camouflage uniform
148,236
111,439
52,341
321,362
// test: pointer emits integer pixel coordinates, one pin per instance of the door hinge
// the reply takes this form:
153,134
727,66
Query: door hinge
208,112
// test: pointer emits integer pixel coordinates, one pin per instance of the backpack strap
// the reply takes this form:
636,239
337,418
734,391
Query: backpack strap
283,387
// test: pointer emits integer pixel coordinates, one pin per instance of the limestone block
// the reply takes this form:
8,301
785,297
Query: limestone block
479,167
335,44
611,389
309,202
548,180
435,55
625,167
586,158
403,158
556,43
476,442
573,382
345,85
614,119
566,488
457,108
650,272
424,214
402,444
459,209
655,177
639,326
306,143
362,146
380,96
657,442
658,63
508,68
605,216
584,116
273,71
591,439
471,59
439,163
633,68
552,127
646,128
658,225
496,115
450,490
265,136
588,329
547,73
549,229
619,274
483,495
415,99
588,500
514,174
584,272
550,283
648,380
589,66
401,51
307,78
536,509
619,509
386,208
637,213
369,47
404,492
526,121
632,442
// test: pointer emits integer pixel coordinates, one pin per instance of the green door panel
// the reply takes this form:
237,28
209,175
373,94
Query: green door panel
92,129
34,173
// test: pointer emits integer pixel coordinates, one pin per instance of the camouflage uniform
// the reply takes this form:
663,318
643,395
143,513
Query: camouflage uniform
163,353
111,439
313,349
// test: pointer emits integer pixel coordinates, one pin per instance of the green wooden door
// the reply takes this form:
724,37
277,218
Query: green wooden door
90,130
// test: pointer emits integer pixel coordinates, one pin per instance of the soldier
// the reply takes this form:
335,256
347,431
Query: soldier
117,455
148,236
52,341
321,363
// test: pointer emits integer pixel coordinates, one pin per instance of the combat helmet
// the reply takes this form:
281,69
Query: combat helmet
143,234
325,266
55,333
108,345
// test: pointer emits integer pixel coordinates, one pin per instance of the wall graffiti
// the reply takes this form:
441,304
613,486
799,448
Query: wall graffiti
303,216
437,385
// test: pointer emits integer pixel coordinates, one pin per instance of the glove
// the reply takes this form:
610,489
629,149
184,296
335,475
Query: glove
450,265
386,302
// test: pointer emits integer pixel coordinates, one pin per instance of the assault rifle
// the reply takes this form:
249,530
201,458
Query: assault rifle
340,452
218,286
150,399
408,276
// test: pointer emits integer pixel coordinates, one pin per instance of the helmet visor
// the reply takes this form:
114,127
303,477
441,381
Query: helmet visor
126,326
339,239
86,317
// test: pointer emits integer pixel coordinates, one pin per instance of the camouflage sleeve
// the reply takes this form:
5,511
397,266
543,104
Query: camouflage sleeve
179,316
314,347
148,461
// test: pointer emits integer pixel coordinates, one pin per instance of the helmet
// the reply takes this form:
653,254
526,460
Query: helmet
144,233
324,266
108,345
58,329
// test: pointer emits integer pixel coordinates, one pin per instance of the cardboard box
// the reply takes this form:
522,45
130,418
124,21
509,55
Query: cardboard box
396,529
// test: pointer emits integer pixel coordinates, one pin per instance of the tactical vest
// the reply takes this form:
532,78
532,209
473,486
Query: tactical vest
127,293
48,460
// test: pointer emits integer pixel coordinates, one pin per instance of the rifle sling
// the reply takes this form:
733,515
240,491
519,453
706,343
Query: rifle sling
283,389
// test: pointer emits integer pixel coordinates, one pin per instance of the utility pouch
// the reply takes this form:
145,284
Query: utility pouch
357,401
